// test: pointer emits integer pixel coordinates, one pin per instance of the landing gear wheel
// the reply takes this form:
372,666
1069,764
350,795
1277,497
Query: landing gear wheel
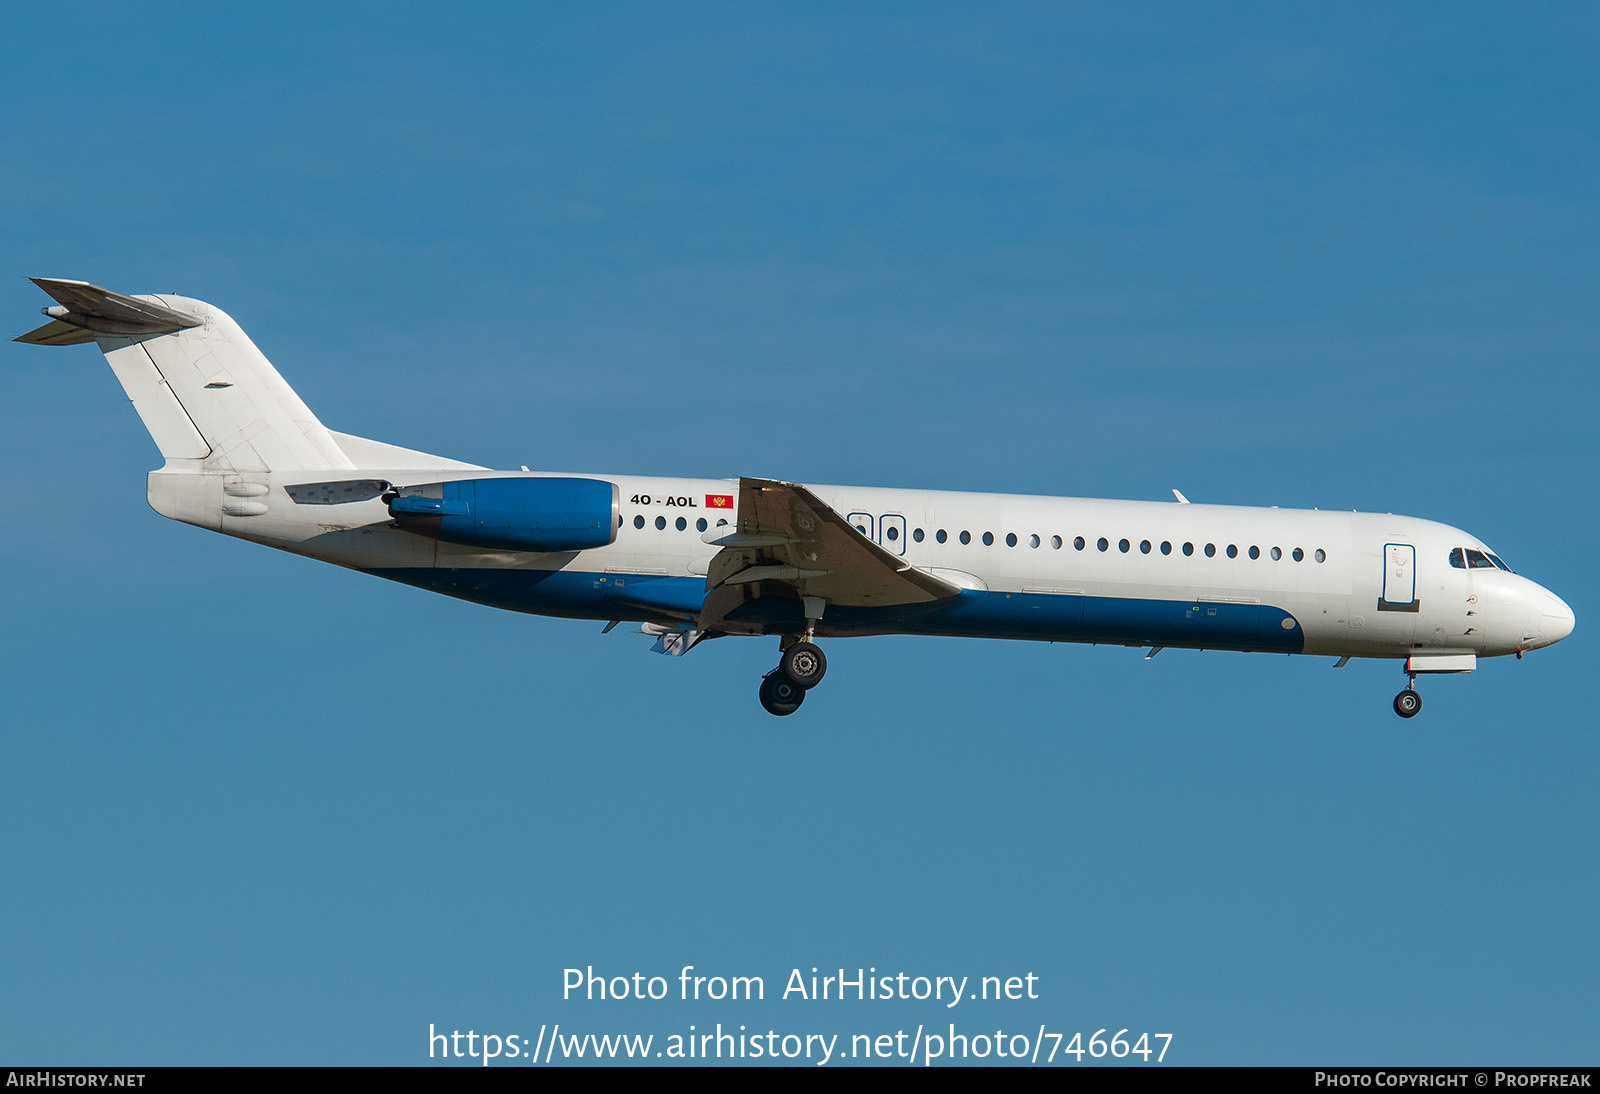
781,696
1407,703
803,664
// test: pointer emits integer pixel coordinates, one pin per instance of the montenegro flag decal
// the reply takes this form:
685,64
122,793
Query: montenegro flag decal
719,501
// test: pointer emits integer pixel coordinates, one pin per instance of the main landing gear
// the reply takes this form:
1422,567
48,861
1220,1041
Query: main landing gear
801,666
799,670
1408,702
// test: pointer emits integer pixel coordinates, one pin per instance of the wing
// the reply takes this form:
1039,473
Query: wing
785,536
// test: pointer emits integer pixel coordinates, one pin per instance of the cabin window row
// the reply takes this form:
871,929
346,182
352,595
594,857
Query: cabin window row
682,523
1102,544
1125,546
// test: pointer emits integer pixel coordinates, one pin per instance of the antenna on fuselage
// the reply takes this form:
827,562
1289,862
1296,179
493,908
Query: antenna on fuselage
1179,495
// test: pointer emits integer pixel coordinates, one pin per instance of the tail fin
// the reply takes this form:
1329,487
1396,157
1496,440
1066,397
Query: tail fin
207,395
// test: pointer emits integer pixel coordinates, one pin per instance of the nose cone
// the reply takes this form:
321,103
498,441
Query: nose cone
1548,618
1556,620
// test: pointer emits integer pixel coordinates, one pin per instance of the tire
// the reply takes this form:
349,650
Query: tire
1407,703
780,696
803,664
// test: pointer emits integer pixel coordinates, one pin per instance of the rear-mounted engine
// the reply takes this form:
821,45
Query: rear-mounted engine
514,514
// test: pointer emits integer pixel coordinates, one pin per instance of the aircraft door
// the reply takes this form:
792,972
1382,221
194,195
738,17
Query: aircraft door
892,533
1399,578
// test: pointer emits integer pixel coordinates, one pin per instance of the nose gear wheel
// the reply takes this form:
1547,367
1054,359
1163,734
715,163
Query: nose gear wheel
1407,703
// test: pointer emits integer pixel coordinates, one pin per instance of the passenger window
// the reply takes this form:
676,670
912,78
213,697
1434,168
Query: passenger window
1123,545
916,534
941,535
1233,551
1144,546
700,525
1255,552
1299,555
1166,547
1011,539
1211,550
1277,553
1188,548
892,532
1103,543
1320,556
1078,544
1033,541
682,524
966,536
1055,542
988,539
638,522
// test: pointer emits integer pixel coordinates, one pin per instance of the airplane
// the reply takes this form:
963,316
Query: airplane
692,559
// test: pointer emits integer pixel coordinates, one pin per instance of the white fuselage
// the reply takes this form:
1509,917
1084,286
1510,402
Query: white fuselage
1329,571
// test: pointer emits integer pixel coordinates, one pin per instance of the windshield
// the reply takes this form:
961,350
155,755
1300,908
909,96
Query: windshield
1469,558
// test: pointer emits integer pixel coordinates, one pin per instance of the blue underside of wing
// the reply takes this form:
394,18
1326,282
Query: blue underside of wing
1039,616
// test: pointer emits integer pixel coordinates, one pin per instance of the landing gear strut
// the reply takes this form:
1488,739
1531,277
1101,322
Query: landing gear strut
1408,702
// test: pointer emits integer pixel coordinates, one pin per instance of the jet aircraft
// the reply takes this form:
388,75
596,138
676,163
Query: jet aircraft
691,559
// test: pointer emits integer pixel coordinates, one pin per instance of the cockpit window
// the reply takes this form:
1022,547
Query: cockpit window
1467,558
1494,558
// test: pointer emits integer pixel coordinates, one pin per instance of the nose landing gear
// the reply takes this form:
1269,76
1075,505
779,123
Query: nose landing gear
1408,702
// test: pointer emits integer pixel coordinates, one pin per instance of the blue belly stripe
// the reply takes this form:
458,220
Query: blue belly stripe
1038,616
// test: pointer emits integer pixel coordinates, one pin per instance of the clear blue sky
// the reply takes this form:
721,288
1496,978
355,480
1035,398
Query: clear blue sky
263,810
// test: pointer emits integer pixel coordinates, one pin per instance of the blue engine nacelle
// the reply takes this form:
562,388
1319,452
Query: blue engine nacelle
513,514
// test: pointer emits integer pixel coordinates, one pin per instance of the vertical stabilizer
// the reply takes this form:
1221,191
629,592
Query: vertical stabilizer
208,396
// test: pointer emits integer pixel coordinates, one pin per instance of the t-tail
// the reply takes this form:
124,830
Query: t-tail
210,399
213,403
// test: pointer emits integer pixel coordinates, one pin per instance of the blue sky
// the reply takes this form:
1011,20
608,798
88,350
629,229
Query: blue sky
262,810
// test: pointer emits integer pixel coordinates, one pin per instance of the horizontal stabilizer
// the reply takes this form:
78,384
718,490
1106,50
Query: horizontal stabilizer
56,333
90,308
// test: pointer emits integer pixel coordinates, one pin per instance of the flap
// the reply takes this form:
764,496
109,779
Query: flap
786,535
